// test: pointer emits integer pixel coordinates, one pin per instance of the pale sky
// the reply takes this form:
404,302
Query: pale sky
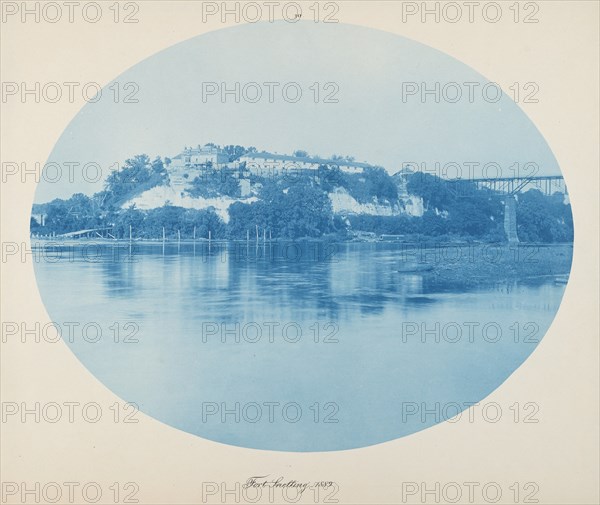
370,121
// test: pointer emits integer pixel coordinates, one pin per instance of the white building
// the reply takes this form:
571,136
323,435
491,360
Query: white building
200,156
269,164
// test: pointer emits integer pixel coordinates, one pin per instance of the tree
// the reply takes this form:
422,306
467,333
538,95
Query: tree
300,209
137,175
215,183
329,177
235,152
130,217
543,218
158,166
33,224
374,182
77,213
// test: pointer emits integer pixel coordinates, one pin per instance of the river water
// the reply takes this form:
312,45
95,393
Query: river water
300,347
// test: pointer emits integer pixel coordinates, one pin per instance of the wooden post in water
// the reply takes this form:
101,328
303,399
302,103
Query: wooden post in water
247,235
194,233
178,239
257,234
130,241
270,236
209,235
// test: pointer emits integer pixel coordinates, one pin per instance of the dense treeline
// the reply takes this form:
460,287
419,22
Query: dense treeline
150,224
138,174
373,182
214,183
543,218
299,206
301,209
460,208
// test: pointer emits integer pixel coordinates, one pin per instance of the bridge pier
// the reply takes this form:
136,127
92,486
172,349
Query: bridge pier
510,219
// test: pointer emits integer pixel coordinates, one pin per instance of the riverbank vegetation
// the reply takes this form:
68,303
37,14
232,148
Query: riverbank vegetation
298,205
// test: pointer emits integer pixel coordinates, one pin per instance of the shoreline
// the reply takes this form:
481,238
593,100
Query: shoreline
37,241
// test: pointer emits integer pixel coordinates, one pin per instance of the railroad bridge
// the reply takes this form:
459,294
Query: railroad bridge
511,186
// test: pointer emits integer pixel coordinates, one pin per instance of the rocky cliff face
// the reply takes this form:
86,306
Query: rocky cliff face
160,195
175,193
343,203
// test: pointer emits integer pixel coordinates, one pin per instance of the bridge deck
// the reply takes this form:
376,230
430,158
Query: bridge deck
518,178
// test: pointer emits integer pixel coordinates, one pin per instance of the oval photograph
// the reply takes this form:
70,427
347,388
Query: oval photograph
302,236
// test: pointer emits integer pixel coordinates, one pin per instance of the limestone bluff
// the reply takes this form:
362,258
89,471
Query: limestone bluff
209,161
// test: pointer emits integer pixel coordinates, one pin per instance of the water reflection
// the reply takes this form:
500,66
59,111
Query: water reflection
391,334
